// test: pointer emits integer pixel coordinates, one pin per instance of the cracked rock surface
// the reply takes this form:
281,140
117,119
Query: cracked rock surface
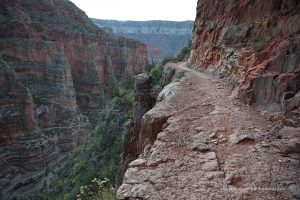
215,147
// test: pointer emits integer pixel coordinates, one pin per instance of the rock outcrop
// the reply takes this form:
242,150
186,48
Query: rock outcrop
198,142
163,38
256,45
144,100
142,130
56,68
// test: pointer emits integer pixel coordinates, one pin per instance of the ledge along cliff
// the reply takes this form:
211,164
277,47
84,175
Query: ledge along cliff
56,69
226,125
255,45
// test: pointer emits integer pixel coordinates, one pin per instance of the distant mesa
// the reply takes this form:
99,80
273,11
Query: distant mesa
163,38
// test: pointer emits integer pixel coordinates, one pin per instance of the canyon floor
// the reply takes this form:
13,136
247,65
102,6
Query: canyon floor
213,146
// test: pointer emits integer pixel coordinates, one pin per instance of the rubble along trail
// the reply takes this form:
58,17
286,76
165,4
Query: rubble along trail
214,147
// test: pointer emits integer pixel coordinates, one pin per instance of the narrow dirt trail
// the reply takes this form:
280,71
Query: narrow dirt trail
214,147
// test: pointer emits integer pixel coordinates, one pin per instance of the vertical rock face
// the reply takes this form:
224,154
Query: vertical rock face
142,131
144,100
256,45
98,61
55,68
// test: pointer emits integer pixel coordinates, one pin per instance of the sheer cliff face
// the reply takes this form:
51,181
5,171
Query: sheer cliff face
55,66
163,38
256,45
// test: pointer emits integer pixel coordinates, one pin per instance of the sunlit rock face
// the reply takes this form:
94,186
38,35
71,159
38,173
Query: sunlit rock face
163,38
55,69
255,44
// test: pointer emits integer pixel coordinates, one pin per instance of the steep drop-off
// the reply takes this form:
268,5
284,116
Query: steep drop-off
256,45
199,142
203,140
56,69
163,38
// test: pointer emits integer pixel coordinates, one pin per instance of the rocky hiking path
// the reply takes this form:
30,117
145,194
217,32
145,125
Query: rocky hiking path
214,147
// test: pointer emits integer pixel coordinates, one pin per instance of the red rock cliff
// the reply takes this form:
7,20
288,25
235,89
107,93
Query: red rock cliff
55,66
256,45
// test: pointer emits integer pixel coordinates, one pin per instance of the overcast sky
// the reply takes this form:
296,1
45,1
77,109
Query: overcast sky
173,10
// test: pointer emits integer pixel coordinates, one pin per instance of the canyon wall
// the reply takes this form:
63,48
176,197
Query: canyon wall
56,69
255,44
200,139
163,38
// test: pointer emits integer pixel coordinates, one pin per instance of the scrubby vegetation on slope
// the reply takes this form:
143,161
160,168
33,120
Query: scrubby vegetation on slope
100,156
157,70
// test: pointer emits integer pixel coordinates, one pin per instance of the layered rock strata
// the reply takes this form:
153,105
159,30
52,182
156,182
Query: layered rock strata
56,70
256,45
163,38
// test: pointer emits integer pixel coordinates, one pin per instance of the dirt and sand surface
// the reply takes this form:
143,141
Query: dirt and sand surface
213,146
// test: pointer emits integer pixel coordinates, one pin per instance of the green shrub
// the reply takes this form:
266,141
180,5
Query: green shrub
184,54
97,190
168,59
149,67
156,73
